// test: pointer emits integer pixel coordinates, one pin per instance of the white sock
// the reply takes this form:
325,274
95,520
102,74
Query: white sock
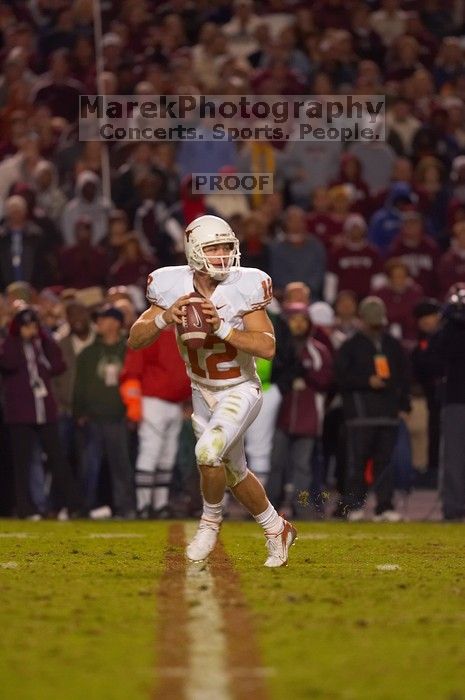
270,521
213,512
161,495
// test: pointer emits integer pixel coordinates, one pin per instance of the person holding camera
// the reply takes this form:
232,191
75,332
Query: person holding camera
448,347
29,358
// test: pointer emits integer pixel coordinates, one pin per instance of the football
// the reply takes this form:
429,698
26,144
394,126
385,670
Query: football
195,327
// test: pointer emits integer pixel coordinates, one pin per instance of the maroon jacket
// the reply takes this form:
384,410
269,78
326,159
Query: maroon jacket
355,267
20,404
82,267
399,309
302,411
421,262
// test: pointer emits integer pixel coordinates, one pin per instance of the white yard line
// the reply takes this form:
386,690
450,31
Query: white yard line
113,535
18,535
207,674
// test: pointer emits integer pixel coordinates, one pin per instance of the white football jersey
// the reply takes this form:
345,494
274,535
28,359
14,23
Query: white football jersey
217,364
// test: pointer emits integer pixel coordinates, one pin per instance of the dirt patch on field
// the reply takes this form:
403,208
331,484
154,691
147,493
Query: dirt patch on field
244,661
173,644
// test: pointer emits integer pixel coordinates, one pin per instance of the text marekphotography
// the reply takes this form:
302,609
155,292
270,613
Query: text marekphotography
232,118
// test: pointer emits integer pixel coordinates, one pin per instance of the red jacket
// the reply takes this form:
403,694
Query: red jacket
302,410
157,371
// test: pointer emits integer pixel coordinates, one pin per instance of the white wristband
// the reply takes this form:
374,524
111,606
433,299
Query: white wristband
159,321
224,330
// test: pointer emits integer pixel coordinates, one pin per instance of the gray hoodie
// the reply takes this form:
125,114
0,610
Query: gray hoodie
78,207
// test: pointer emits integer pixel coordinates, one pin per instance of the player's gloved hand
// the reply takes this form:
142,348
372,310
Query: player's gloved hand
175,313
211,314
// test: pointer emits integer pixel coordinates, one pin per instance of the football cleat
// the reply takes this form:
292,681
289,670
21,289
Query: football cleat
278,546
356,515
204,541
387,516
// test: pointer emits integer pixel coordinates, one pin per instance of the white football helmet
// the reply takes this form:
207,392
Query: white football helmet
210,230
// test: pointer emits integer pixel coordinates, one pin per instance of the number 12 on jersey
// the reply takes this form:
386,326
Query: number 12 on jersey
212,369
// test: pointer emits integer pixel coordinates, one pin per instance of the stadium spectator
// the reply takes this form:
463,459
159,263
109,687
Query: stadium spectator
426,371
159,231
345,309
57,89
299,257
132,266
139,165
433,194
87,202
20,167
400,296
75,335
389,21
49,196
300,417
448,348
320,221
154,385
350,173
29,358
371,372
451,267
240,30
255,250
323,326
355,264
386,222
22,247
84,263
377,160
98,408
401,126
417,251
302,180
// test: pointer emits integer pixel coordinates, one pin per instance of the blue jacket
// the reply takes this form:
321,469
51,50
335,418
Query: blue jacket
386,222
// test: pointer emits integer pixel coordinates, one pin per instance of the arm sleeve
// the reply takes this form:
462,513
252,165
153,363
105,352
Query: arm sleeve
10,356
52,352
404,381
79,395
320,374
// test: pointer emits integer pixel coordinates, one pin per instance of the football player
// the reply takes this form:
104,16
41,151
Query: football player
226,390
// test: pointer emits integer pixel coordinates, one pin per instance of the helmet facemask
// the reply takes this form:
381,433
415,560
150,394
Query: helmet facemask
226,262
208,231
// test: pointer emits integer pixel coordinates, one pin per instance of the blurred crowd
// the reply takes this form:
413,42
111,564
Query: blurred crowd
345,222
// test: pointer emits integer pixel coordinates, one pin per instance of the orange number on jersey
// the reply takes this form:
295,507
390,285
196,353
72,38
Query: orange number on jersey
267,289
212,371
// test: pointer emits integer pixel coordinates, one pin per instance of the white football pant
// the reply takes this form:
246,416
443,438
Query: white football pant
158,444
220,420
259,437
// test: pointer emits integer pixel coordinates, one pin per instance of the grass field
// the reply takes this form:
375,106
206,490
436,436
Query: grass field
364,611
